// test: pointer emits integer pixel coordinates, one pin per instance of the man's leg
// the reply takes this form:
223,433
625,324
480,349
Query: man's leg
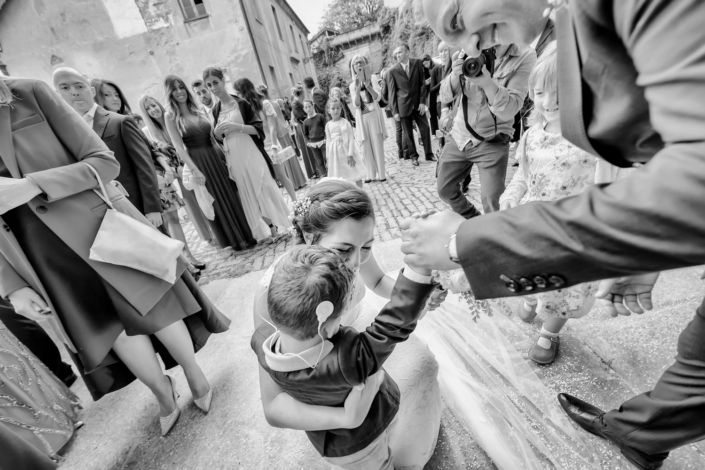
422,123
673,413
451,171
401,143
491,159
408,136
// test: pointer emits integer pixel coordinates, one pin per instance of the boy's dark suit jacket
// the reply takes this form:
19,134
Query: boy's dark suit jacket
129,145
406,92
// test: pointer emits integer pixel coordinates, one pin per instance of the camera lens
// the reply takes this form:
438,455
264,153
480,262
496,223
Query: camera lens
472,67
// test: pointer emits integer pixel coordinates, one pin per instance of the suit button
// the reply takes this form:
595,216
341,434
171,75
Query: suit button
526,284
510,284
41,209
540,282
556,280
6,227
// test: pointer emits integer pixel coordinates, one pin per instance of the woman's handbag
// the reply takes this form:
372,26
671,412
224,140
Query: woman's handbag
126,241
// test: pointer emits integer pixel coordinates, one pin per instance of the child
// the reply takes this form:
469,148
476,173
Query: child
550,168
343,158
314,359
314,132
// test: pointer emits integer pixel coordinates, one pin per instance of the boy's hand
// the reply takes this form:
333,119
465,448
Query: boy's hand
351,161
357,404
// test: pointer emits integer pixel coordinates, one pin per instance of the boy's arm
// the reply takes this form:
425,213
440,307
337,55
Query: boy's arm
363,354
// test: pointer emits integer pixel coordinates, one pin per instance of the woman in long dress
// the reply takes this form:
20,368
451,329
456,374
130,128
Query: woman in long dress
298,116
279,128
110,317
249,166
38,413
190,132
154,114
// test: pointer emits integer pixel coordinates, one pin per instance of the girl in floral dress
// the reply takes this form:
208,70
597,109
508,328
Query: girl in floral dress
550,168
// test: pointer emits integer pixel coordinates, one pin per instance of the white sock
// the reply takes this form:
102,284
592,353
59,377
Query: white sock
544,340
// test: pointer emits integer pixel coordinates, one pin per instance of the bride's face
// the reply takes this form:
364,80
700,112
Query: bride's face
352,239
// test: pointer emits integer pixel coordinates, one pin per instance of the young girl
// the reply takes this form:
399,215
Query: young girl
550,168
341,149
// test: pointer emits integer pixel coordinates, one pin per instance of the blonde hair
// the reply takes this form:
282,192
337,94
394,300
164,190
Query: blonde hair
545,77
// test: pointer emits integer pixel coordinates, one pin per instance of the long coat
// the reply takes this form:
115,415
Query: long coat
44,139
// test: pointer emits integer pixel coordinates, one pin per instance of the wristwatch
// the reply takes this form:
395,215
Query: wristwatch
453,249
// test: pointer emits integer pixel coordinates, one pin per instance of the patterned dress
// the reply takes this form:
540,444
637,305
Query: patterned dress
552,168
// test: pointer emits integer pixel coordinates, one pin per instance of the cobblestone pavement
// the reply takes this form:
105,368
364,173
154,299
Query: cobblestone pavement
408,190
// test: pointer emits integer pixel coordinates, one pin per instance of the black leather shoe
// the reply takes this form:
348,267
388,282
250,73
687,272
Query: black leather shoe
415,162
430,158
590,418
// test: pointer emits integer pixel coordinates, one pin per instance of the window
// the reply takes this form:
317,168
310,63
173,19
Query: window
293,38
193,10
276,20
303,46
291,77
273,74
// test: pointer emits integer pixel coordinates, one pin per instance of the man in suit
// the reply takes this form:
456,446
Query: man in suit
123,138
407,94
204,96
628,83
401,144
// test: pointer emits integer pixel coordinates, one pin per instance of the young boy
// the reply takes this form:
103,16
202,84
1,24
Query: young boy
314,128
317,361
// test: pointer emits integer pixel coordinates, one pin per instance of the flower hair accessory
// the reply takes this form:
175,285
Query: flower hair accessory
324,311
302,206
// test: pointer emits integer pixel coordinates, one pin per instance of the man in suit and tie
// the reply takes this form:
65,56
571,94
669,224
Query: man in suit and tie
407,95
122,136
630,89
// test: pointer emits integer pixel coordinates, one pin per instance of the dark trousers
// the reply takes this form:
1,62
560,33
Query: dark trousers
434,114
491,160
401,143
318,155
673,413
408,134
36,340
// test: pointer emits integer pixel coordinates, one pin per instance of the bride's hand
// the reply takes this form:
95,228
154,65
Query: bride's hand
28,303
357,404
438,296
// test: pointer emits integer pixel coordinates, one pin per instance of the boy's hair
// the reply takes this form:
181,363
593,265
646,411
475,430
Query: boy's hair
545,77
303,278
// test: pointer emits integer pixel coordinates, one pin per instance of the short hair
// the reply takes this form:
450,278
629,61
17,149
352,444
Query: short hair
196,83
404,45
304,277
214,71
309,82
70,70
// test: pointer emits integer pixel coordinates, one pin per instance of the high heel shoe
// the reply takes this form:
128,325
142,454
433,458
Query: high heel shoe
168,422
204,403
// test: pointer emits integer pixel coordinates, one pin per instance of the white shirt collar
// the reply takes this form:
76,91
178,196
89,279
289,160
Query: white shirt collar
91,112
289,362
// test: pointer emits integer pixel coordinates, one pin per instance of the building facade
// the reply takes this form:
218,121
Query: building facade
136,43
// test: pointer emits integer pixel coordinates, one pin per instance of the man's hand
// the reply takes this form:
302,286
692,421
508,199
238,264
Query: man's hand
425,240
226,128
357,404
457,61
155,218
484,79
28,303
626,295
397,117
422,109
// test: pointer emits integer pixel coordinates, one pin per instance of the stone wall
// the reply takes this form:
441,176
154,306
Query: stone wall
136,43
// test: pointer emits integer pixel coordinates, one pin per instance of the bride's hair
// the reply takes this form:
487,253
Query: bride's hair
328,202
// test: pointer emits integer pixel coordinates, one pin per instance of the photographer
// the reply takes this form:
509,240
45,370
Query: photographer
494,87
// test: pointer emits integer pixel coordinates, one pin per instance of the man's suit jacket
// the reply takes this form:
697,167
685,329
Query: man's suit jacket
406,92
631,90
128,144
44,139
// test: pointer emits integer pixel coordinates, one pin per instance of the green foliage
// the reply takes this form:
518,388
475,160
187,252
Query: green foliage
398,25
331,77
347,15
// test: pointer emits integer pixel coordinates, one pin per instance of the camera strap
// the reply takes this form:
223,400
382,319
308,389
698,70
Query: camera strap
464,105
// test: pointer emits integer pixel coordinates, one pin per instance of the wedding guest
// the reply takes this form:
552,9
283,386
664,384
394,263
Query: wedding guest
337,94
279,130
319,99
428,65
249,166
190,132
245,89
371,130
38,413
308,85
109,96
314,129
204,96
550,168
344,159
107,315
438,74
299,115
154,115
123,138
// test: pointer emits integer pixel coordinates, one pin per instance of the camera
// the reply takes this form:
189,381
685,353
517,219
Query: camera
472,67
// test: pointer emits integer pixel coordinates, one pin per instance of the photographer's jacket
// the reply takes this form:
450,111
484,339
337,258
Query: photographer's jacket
492,118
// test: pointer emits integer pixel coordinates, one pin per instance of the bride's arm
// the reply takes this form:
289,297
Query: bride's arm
375,279
283,411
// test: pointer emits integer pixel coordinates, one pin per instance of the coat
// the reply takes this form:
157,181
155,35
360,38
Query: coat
630,89
44,139
406,92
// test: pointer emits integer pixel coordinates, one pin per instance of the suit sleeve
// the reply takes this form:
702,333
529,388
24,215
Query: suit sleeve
365,353
392,92
80,140
651,220
141,157
423,89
